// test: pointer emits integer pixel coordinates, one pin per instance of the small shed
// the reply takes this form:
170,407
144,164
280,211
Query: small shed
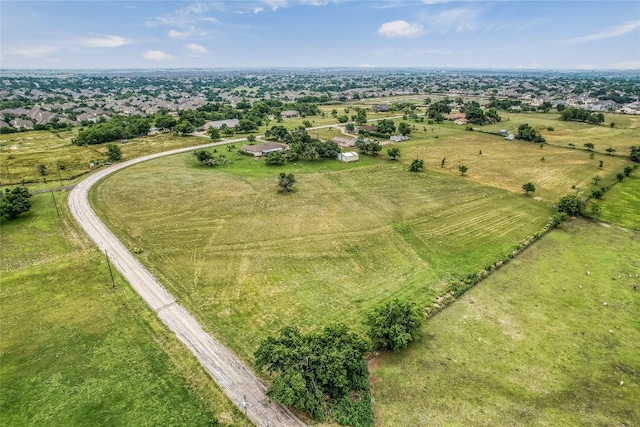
348,156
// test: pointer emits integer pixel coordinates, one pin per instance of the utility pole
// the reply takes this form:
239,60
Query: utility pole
54,202
113,283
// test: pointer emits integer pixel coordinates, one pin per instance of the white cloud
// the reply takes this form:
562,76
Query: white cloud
186,16
460,19
258,10
400,28
175,34
277,4
156,55
435,1
32,51
106,41
617,31
627,65
196,48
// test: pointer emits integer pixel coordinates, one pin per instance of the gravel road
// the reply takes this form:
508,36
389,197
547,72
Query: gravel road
235,379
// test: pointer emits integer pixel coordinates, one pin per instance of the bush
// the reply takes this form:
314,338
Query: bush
571,205
14,202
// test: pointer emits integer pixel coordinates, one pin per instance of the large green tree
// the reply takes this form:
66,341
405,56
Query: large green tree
14,202
394,324
114,153
316,370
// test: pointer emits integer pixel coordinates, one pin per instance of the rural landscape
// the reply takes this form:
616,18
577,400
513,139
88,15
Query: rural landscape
525,295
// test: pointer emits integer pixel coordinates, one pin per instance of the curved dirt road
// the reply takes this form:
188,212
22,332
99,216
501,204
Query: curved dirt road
226,369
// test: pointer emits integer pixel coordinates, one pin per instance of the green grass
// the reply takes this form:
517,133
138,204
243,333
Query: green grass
509,164
247,260
75,351
621,204
22,152
532,345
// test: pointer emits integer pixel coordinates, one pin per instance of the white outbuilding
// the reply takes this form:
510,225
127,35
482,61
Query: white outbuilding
349,156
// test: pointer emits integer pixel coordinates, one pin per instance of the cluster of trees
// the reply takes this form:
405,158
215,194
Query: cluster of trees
368,147
315,371
581,115
14,202
208,159
438,109
528,133
303,147
119,127
319,373
635,154
476,115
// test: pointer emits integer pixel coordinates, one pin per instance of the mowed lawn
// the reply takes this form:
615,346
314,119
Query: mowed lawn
247,260
538,343
76,351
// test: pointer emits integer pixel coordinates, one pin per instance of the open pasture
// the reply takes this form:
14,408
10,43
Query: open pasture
621,204
77,351
22,152
246,260
509,164
538,343
622,136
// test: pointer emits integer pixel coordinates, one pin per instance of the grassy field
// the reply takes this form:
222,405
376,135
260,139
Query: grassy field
621,204
539,343
75,351
247,260
21,153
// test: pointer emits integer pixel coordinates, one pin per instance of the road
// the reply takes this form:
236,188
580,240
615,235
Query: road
233,377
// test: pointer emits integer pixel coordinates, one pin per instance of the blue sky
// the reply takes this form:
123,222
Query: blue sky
320,33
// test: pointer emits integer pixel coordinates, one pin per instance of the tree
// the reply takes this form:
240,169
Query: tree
528,133
313,371
442,162
275,158
214,133
114,154
393,152
416,165
620,177
628,170
404,128
285,182
463,169
385,127
350,127
635,154
394,324
185,127
610,150
166,122
251,139
42,169
528,188
14,202
589,146
361,117
571,205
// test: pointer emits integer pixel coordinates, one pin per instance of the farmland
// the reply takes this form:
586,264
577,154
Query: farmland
247,260
539,342
77,351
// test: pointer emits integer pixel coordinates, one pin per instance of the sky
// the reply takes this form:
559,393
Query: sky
86,34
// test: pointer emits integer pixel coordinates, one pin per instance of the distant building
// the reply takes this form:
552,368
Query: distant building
367,128
382,108
231,123
344,142
398,138
503,132
263,149
510,137
348,156
289,114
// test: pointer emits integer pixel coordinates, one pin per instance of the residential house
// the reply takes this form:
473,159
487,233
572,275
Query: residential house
289,114
398,138
263,149
344,142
